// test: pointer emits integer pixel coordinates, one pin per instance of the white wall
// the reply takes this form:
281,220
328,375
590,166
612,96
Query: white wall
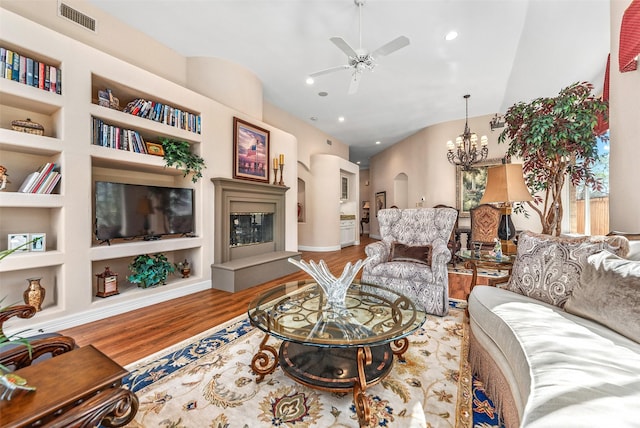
321,232
423,158
624,125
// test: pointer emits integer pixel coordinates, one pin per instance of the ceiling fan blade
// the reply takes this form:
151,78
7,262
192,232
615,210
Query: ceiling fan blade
329,70
392,46
355,82
344,46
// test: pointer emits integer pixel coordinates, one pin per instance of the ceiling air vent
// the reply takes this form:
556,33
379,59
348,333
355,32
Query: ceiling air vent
76,16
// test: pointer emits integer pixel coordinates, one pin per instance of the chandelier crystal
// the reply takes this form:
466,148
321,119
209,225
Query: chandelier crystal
465,152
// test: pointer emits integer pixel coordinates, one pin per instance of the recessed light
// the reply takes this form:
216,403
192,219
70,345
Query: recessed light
309,80
341,119
377,142
323,94
313,118
451,35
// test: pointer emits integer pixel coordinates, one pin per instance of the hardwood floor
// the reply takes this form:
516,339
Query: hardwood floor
133,335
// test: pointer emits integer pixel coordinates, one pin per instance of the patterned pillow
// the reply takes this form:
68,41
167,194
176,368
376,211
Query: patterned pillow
609,293
407,253
547,268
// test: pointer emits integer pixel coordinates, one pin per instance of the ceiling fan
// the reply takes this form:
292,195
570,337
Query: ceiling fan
360,59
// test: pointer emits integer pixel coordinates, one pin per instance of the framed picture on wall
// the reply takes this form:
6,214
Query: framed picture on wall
250,151
470,185
381,201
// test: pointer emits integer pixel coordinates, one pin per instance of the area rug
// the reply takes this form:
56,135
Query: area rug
207,381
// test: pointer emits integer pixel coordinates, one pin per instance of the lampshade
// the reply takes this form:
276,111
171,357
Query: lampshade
365,205
505,183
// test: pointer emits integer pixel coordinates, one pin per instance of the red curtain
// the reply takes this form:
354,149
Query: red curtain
630,38
603,125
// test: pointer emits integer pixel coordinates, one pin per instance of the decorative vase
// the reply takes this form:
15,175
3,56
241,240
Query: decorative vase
34,294
334,289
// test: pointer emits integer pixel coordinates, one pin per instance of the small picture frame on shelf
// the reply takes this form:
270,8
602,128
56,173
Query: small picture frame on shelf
155,149
18,241
38,242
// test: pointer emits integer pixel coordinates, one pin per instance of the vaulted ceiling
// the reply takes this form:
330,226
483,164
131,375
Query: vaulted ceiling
506,51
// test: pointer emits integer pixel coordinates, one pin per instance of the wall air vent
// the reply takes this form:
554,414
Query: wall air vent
76,16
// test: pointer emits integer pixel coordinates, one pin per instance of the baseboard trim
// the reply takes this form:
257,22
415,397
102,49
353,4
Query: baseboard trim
96,314
319,249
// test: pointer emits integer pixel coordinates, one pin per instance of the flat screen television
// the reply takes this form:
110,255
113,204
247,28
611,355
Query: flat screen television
137,211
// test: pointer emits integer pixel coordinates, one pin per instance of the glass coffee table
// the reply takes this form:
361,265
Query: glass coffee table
338,349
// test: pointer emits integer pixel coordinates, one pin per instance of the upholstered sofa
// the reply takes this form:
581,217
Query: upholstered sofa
412,256
560,346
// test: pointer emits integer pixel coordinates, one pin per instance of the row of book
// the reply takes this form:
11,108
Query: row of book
29,71
164,114
44,180
115,137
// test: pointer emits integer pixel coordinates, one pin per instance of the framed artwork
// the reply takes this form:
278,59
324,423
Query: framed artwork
250,151
381,201
470,185
17,241
155,149
39,242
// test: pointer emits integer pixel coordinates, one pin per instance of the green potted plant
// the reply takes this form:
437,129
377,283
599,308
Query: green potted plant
555,137
178,153
149,270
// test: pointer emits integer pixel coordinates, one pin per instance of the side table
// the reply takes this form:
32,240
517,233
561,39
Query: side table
484,259
80,388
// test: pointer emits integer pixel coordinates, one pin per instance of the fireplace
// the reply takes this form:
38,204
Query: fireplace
249,234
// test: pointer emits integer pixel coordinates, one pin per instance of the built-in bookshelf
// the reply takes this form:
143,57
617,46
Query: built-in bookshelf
136,103
69,146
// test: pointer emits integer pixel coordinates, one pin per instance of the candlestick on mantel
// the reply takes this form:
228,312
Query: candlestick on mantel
275,162
281,159
281,183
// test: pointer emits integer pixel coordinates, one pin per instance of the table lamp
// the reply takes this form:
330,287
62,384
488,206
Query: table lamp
505,185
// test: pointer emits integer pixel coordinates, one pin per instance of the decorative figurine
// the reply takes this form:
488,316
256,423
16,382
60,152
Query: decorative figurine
11,383
4,180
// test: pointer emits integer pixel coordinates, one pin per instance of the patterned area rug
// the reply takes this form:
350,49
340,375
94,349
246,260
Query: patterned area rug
207,381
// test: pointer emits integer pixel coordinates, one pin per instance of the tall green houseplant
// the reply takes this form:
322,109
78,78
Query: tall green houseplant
556,139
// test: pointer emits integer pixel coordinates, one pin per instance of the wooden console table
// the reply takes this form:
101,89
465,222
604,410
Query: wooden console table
80,388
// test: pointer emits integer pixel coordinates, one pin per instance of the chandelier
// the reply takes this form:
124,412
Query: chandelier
465,151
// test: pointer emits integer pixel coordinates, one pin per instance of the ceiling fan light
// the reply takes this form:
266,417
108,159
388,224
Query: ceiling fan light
309,80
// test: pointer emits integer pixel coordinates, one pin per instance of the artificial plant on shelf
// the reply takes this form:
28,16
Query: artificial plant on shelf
556,139
149,270
179,153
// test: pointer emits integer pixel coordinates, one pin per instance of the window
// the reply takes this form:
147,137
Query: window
589,209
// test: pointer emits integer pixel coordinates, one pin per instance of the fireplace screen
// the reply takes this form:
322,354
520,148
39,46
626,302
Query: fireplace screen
250,228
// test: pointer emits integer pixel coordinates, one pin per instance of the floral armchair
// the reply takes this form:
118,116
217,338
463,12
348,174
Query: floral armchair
412,256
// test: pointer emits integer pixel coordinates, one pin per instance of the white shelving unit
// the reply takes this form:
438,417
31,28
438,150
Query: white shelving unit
73,257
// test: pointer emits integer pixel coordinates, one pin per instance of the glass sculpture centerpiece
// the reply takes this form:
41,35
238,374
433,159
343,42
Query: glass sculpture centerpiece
335,289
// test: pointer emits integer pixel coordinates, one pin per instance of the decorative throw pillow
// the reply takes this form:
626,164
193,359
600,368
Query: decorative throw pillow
407,253
609,293
547,268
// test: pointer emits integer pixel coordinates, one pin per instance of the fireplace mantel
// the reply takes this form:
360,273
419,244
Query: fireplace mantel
237,268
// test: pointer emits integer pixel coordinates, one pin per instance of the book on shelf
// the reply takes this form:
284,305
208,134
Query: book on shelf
115,137
28,71
42,181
